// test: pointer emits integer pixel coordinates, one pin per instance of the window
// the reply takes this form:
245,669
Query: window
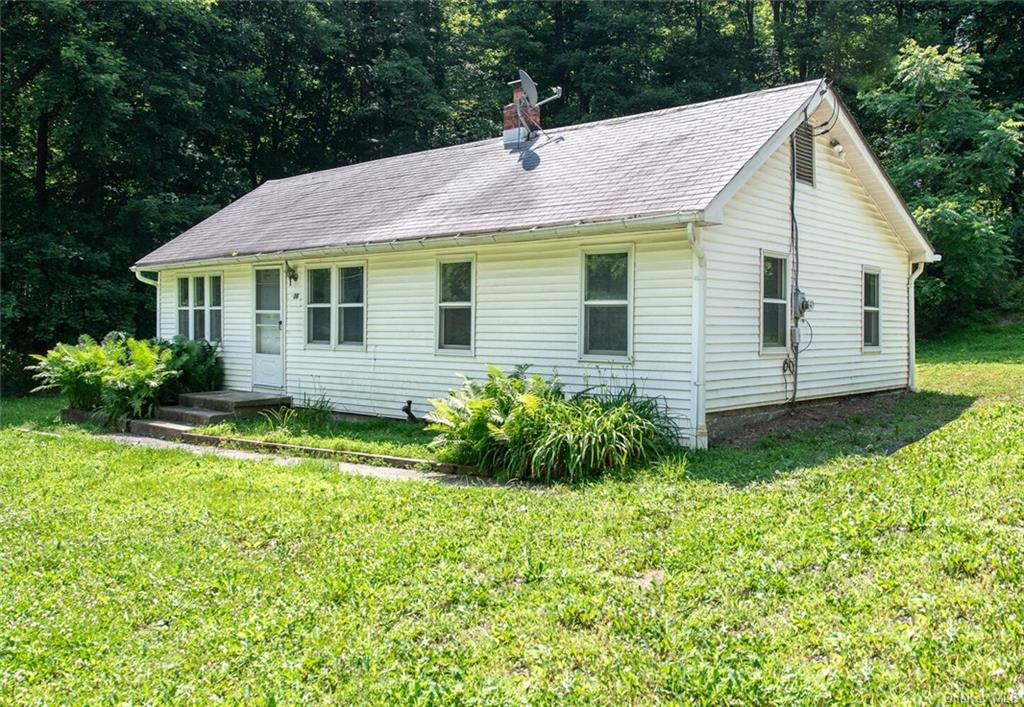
318,306
200,309
606,304
774,303
351,307
183,307
455,305
872,322
803,150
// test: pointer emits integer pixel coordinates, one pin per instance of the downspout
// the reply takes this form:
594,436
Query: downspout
917,269
155,283
699,271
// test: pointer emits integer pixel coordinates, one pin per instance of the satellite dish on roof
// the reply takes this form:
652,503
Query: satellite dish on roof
530,91
529,88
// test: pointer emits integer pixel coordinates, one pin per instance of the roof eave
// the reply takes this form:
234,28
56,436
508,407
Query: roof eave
628,224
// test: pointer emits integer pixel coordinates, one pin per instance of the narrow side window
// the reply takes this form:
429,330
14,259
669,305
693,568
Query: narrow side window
318,306
199,308
351,305
872,310
216,309
183,307
606,304
455,305
774,303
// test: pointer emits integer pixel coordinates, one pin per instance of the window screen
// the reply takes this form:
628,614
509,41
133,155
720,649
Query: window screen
606,304
774,309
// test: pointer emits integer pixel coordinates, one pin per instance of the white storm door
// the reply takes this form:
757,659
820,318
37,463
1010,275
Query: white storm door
268,359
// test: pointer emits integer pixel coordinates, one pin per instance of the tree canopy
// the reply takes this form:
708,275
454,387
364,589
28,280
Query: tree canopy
125,123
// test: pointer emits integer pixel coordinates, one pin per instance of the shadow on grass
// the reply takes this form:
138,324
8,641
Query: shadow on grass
877,429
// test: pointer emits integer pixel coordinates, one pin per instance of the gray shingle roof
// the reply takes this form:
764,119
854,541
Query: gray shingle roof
666,161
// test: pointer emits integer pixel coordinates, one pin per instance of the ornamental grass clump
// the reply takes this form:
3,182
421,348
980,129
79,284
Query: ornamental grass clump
520,426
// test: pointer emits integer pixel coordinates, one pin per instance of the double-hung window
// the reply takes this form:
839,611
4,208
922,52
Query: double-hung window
774,303
318,306
606,300
455,305
200,307
351,304
871,303
347,299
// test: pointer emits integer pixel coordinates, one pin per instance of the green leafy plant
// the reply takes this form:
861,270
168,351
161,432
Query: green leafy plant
76,370
315,413
198,364
132,381
280,419
524,427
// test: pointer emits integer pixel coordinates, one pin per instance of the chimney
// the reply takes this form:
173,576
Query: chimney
512,131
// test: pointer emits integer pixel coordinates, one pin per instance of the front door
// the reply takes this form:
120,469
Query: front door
268,361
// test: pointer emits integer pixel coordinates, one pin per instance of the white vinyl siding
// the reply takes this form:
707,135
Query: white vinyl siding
526,304
840,229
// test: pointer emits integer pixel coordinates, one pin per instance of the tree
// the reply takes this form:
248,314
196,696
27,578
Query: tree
955,161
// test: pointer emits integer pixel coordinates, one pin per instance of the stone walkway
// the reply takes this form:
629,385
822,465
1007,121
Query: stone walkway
378,472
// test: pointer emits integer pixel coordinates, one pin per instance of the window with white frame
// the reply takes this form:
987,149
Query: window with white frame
200,307
606,294
455,305
774,303
351,304
318,306
871,306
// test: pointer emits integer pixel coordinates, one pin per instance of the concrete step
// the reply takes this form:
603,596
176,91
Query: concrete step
234,401
161,429
191,415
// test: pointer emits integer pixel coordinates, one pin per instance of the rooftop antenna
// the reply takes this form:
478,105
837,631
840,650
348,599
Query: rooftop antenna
530,100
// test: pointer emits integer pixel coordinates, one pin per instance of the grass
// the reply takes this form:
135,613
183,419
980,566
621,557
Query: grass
878,559
391,437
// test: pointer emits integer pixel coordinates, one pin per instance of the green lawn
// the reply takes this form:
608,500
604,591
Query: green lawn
396,438
818,567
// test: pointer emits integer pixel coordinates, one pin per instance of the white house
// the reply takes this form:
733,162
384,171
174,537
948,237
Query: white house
668,248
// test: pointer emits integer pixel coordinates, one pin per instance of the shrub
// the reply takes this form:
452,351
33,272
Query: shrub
123,376
198,363
524,427
133,380
76,370
15,372
466,418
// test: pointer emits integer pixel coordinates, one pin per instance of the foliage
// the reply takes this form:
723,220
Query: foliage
133,378
199,366
127,377
280,419
874,561
77,370
125,123
523,426
956,159
15,379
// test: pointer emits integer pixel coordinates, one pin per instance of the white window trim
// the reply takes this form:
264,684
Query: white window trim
207,307
328,305
337,305
438,305
868,348
772,351
628,249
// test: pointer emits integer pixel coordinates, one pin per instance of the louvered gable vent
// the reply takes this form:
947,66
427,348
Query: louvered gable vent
804,149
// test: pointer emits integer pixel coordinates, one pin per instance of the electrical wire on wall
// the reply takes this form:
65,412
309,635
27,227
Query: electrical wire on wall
792,363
